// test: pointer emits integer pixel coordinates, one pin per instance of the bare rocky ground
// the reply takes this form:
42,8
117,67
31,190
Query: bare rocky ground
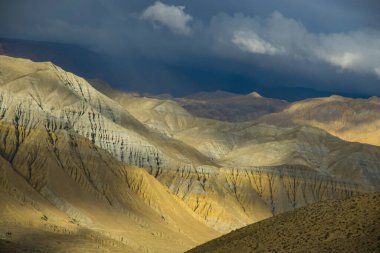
351,225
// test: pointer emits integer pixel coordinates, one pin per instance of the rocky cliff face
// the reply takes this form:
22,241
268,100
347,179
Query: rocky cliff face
66,148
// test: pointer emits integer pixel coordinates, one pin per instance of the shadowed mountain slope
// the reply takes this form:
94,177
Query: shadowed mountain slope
231,107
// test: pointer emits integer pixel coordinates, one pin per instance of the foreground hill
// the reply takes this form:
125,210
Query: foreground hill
351,225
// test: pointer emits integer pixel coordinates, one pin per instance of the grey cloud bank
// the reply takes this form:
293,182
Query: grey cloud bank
193,45
278,35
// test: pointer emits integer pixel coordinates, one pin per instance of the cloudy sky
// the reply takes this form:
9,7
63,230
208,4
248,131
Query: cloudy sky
185,46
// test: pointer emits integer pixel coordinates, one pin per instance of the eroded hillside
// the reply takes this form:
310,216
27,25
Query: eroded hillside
57,182
286,167
130,173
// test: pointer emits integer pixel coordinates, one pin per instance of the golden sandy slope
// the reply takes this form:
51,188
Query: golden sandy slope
71,188
351,225
355,120
61,189
85,193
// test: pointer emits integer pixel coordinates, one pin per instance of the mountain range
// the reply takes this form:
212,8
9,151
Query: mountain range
87,167
123,74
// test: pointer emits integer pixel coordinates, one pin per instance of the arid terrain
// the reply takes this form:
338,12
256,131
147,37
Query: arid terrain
350,225
226,106
354,120
86,168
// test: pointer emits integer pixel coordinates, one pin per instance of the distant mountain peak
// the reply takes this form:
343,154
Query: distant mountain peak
255,94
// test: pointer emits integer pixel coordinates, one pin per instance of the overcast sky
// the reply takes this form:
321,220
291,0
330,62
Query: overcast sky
217,44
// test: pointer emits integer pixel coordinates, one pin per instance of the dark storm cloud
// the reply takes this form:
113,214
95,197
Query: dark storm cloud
196,45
